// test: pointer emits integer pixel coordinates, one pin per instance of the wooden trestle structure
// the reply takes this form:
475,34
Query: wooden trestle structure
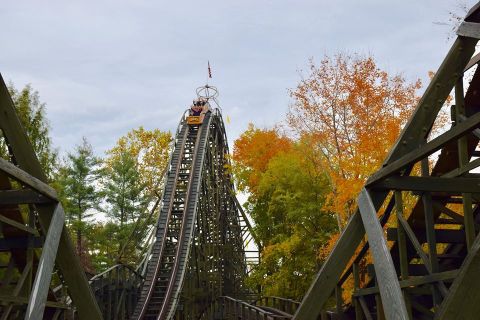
411,250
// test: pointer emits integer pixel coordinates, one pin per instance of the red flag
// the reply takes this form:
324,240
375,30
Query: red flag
209,70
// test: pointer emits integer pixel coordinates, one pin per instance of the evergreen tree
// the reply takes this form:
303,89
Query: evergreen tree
78,189
123,188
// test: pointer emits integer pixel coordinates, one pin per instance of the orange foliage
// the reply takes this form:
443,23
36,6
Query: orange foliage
354,111
253,150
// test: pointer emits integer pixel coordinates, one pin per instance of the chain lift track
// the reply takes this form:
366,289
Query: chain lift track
199,252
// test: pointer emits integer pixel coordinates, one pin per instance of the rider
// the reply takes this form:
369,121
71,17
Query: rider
199,108
196,108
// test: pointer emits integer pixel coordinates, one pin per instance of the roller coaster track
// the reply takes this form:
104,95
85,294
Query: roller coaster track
199,219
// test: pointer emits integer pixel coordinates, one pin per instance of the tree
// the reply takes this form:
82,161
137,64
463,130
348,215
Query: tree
32,115
287,193
133,177
123,187
353,112
151,150
252,152
78,180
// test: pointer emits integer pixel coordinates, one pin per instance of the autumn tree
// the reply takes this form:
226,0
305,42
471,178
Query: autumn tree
252,152
150,149
32,115
287,192
353,112
133,175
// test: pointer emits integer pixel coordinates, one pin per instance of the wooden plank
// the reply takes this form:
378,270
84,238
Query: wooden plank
18,174
430,184
463,159
402,249
18,225
464,169
20,243
430,230
425,150
67,260
365,310
24,300
392,297
326,280
475,132
462,302
418,127
472,62
38,297
23,196
469,29
452,214
442,235
413,282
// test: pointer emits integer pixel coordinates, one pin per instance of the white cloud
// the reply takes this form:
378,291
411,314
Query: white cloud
104,67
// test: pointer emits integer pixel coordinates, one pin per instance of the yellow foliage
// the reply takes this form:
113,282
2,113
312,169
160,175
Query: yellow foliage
151,149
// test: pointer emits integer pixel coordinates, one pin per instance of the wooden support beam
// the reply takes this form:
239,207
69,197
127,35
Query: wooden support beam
67,260
465,289
24,300
475,132
38,297
463,160
392,297
442,235
449,212
430,230
464,169
418,127
413,282
425,150
18,225
469,29
23,196
414,133
26,179
430,184
20,243
365,310
402,249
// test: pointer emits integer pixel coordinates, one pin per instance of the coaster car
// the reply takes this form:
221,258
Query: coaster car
197,111
194,120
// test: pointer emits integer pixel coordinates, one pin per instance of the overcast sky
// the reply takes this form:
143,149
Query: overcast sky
105,67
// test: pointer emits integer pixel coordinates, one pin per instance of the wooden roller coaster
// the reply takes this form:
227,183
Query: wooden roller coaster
411,250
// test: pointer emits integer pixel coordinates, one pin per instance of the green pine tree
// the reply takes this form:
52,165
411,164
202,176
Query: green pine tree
78,180
124,190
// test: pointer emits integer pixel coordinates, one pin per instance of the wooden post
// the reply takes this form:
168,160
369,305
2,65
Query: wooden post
356,283
463,159
392,297
402,248
36,304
